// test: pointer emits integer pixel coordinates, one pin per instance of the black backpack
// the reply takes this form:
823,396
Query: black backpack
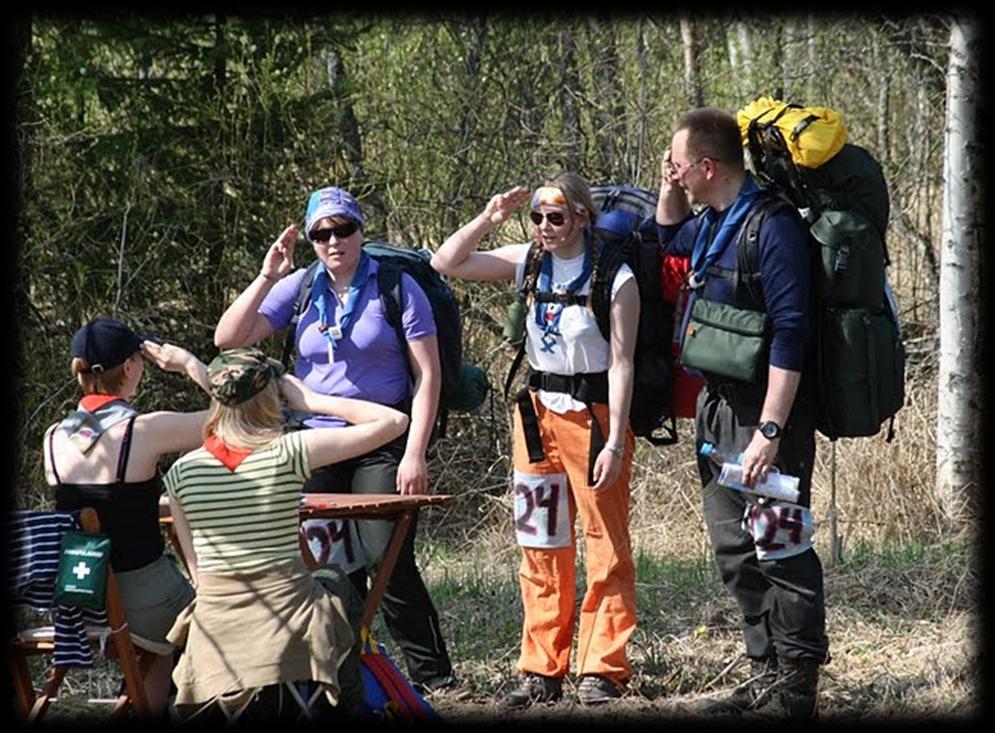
393,261
858,359
625,232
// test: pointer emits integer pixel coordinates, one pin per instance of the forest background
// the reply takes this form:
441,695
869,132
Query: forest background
159,158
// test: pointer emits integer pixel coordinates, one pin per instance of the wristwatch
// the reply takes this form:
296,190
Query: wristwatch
769,429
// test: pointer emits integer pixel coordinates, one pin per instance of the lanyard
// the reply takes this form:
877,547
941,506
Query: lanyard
329,329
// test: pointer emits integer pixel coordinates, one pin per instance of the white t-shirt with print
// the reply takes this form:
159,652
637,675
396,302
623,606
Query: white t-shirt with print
577,347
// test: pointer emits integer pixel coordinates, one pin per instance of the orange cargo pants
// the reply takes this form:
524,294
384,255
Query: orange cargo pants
547,575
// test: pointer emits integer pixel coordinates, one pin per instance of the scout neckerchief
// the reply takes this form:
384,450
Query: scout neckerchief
709,245
230,457
92,418
329,329
547,315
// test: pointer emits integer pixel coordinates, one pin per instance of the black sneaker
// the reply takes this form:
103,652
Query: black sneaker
593,689
534,688
445,686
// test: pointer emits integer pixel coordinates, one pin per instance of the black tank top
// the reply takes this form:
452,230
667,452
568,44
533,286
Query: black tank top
129,513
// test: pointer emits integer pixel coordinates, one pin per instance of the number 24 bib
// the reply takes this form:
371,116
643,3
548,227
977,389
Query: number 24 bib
542,510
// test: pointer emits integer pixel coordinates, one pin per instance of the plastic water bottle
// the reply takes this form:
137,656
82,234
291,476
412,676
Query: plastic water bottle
777,485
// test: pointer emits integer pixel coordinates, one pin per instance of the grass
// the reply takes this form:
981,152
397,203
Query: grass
901,598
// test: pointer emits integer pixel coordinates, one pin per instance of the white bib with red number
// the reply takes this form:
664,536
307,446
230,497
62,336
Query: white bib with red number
334,542
542,510
779,529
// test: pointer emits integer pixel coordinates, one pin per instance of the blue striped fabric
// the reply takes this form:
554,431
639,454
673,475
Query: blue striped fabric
34,548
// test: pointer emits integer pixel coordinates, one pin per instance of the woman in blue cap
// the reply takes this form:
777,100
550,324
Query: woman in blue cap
105,455
347,348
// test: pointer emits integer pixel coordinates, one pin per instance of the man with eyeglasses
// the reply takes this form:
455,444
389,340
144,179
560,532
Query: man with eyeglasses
346,347
763,550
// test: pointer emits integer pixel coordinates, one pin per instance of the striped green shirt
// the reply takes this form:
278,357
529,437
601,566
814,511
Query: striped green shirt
246,518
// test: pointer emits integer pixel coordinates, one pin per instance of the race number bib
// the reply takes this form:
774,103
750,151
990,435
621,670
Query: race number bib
334,542
779,529
542,510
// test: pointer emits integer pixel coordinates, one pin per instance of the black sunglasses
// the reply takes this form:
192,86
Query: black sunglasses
555,218
341,232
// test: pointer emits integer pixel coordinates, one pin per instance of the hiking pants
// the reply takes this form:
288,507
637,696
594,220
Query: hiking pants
547,575
781,599
407,609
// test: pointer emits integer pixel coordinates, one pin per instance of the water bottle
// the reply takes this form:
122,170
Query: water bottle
514,322
777,485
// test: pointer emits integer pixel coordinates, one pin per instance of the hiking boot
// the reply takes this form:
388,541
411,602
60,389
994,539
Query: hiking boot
797,689
445,686
534,688
594,689
756,692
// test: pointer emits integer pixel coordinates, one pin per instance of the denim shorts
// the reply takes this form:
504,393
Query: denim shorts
153,597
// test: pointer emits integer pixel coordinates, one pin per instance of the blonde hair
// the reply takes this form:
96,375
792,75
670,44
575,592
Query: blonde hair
108,381
249,425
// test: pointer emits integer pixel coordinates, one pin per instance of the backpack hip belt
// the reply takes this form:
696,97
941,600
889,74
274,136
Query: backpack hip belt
588,388
585,387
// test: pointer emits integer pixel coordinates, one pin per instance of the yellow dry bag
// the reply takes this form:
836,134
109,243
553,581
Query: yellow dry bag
812,135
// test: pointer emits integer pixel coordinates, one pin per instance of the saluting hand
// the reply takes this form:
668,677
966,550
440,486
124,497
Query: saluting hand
279,259
503,205
168,357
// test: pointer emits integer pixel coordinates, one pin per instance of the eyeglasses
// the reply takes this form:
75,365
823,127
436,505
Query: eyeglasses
556,218
341,232
680,169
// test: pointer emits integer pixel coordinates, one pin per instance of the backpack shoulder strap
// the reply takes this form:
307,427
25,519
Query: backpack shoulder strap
389,285
610,261
301,303
748,246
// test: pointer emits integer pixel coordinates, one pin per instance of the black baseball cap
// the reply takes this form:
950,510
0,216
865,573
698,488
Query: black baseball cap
104,343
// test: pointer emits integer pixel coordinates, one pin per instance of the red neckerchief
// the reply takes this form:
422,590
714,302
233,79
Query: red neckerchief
230,457
93,402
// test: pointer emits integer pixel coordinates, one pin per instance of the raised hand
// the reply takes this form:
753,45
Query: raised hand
168,357
279,259
503,205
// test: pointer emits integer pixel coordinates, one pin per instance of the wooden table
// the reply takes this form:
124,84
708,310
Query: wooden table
390,507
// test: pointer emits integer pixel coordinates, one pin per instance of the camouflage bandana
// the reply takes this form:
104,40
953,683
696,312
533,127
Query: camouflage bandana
236,375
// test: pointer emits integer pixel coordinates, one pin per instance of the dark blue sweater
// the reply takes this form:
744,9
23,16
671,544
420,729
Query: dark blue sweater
784,279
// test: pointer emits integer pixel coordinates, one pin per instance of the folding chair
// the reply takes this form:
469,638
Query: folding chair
133,654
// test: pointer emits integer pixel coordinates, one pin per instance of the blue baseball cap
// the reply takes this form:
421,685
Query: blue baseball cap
328,202
105,344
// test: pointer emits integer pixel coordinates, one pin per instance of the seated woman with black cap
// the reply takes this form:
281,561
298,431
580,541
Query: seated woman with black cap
261,618
105,455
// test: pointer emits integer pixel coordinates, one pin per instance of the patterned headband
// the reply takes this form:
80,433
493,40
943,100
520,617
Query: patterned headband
552,196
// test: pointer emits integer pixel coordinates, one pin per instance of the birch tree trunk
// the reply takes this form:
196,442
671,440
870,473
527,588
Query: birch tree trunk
958,445
696,97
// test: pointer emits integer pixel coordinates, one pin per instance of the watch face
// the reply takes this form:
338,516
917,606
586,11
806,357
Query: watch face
770,429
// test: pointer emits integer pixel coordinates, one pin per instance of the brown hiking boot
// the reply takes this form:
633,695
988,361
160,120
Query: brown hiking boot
534,688
797,689
752,694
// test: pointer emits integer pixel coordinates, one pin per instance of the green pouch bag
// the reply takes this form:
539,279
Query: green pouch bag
82,576
723,340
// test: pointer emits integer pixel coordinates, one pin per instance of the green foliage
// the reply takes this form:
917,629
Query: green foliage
161,157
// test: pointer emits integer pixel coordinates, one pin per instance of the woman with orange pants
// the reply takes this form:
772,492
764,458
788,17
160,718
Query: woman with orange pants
572,442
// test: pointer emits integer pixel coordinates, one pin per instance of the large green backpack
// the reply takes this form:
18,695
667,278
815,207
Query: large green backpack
859,360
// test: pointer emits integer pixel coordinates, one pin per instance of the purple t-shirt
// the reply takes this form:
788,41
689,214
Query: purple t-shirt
369,361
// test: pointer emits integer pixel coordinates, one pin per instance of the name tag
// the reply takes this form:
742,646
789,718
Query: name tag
542,510
779,529
334,542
